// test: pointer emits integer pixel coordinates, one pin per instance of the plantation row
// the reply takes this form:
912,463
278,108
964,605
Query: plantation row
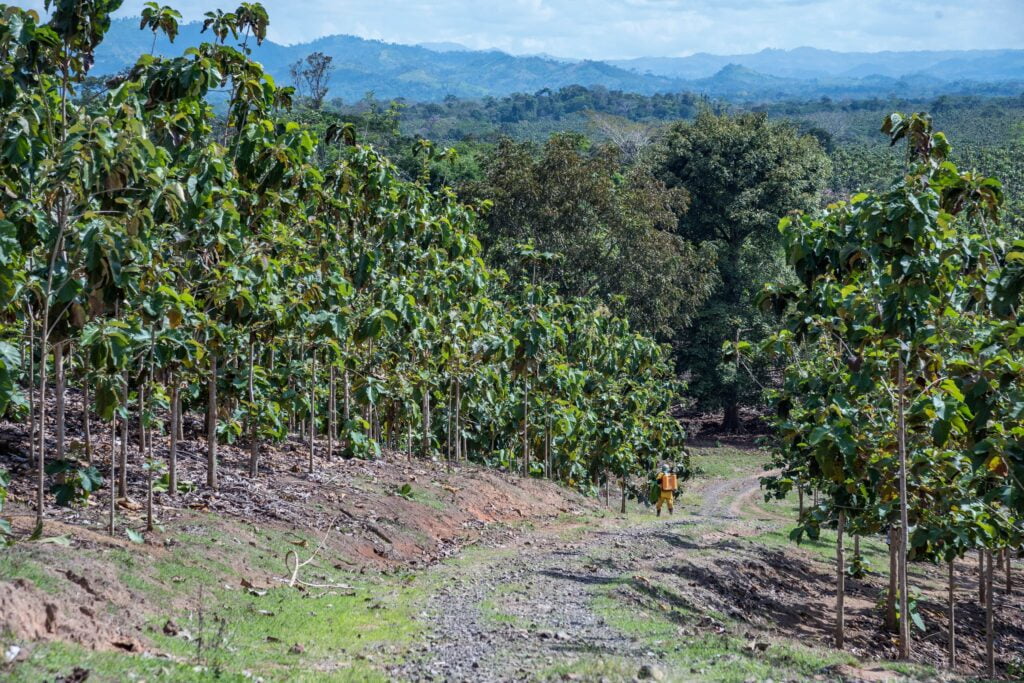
903,401
164,260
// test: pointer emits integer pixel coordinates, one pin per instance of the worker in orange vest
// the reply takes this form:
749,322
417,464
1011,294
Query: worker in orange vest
668,485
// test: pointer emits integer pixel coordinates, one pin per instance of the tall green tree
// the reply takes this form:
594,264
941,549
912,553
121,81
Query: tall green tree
743,173
610,225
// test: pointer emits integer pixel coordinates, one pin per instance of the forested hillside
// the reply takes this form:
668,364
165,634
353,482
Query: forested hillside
417,73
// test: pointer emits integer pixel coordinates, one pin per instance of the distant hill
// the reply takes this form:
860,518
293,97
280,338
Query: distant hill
813,63
433,71
393,71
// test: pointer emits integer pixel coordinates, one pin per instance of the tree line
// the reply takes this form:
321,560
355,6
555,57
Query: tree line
901,400
166,260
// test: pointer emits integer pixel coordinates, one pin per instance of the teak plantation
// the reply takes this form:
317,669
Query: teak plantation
188,240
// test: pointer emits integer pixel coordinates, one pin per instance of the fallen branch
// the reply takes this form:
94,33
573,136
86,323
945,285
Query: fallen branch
293,565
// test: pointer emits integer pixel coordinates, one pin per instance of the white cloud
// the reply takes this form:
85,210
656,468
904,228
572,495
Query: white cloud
632,28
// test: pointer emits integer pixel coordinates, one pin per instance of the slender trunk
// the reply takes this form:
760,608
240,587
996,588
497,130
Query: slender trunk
840,581
211,424
547,450
425,446
148,438
59,390
375,412
113,471
408,439
181,419
800,498
149,491
172,449
40,480
254,446
981,578
990,633
332,412
622,505
526,427
459,453
32,391
1009,571
142,420
347,406
41,445
86,428
448,424
904,521
951,654
122,465
890,603
312,412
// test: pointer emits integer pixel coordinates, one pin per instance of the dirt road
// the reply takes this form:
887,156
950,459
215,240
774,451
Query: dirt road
529,612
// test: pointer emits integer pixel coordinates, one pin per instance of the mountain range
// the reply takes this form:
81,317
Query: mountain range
433,71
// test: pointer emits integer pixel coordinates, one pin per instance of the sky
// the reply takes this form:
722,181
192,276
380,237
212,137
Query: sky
618,29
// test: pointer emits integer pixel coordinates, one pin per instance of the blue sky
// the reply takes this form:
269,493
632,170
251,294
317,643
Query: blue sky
634,28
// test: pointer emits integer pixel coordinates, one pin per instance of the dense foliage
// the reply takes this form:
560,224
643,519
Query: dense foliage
610,228
901,402
743,173
169,260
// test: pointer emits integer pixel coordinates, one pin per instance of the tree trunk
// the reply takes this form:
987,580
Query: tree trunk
526,428
211,424
622,506
800,498
40,394
448,425
951,654
901,430
181,419
142,420
113,471
547,449
347,407
731,415
990,659
122,465
425,446
408,439
982,595
840,581
332,412
1009,571
172,449
86,427
890,603
254,446
312,411
59,391
459,454
149,488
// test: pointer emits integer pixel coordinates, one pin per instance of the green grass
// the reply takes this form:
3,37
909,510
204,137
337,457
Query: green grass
244,632
726,461
17,566
339,634
692,652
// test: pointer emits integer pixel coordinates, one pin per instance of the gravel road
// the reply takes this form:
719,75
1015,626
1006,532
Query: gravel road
529,608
